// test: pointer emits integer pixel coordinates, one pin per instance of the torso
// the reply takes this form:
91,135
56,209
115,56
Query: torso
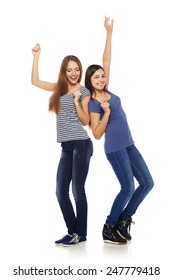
69,127
117,133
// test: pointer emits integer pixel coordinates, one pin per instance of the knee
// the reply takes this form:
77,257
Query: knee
59,194
128,192
79,194
150,184
131,190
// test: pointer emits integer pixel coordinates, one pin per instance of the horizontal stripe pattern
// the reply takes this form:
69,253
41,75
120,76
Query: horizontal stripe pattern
68,125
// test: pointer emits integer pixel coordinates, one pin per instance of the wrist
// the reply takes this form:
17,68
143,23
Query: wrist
104,125
107,113
109,31
36,57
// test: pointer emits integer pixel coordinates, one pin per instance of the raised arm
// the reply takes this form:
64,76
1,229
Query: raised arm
107,50
35,75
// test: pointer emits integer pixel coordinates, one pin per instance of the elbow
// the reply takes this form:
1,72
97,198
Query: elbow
85,123
97,136
33,82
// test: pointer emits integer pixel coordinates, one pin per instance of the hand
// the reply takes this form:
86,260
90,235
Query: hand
36,50
108,24
77,95
105,106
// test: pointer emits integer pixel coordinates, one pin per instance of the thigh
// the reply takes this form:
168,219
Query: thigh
122,167
82,153
139,166
64,171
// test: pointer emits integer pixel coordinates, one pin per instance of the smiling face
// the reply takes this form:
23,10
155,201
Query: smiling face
73,72
98,80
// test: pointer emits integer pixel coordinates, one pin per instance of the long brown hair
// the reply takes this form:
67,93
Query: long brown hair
62,84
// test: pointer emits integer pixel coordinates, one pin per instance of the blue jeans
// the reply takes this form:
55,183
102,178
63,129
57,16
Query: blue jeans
73,168
127,165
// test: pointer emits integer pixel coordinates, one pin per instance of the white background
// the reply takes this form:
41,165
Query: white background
141,74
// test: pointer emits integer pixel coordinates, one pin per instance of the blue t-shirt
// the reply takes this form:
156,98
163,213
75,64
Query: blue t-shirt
117,133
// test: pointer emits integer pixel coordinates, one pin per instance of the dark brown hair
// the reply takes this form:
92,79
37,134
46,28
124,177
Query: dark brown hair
89,72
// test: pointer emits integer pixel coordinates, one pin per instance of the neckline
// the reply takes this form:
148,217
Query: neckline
106,100
74,90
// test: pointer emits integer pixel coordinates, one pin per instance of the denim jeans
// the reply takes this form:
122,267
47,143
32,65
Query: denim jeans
127,165
73,169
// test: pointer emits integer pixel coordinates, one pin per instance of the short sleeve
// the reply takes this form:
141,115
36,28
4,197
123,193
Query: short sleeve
94,107
84,92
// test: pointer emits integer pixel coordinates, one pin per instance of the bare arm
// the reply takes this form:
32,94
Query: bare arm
82,109
98,127
35,75
107,50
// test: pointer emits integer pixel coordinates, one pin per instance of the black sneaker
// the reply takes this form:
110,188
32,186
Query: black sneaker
123,228
65,238
74,240
110,235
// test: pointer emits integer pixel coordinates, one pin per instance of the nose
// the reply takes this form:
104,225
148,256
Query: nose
73,72
101,79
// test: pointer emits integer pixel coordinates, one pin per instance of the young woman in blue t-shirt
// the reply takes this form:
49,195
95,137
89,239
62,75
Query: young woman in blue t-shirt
108,118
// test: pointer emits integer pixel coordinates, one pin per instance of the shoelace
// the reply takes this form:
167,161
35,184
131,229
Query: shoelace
127,224
75,238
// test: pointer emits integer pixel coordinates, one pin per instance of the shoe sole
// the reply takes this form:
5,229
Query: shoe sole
72,245
123,236
115,242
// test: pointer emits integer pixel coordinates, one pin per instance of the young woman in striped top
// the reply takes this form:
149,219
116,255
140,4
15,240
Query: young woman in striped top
69,101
